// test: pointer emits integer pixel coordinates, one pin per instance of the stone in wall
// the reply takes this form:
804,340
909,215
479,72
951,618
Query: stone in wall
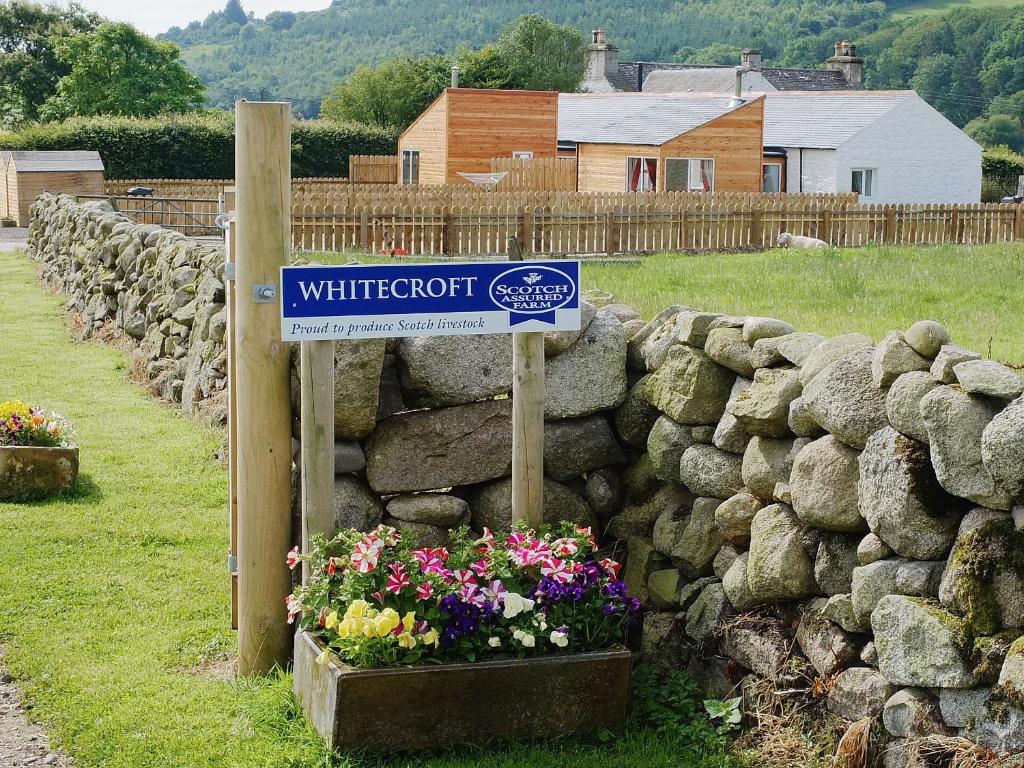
453,370
427,450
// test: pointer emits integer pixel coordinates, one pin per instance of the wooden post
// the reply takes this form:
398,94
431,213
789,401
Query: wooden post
316,377
757,228
527,418
262,174
890,224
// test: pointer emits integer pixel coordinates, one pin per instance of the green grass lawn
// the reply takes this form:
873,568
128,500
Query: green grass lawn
975,291
115,616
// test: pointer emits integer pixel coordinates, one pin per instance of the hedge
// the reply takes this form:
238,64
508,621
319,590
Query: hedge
197,146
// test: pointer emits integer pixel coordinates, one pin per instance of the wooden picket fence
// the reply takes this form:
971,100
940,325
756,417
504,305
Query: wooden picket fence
556,174
566,230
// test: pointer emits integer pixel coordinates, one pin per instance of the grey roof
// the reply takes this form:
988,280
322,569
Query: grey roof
620,118
824,120
77,160
709,77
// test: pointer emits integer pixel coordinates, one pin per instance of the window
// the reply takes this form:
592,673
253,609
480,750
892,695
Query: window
690,174
410,166
641,174
771,177
863,181
521,154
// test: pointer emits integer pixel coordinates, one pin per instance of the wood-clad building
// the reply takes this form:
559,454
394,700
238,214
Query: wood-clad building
27,174
465,128
636,143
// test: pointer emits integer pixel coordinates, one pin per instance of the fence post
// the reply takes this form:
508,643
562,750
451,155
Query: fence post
262,163
364,230
449,232
890,224
316,380
527,417
825,225
1018,219
756,228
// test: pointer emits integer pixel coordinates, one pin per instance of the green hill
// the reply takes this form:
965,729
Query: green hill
965,60
299,56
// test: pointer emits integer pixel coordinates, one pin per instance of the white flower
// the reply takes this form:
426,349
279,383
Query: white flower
538,621
514,604
561,639
525,638
494,642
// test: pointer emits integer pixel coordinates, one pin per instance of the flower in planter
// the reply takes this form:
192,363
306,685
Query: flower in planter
24,425
377,599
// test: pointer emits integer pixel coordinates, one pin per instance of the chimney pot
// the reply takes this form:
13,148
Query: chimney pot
750,59
846,61
598,36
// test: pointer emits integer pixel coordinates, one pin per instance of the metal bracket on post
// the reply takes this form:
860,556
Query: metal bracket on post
264,293
229,271
232,563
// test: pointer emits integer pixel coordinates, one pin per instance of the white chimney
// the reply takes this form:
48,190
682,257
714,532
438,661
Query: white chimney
602,65
847,61
750,59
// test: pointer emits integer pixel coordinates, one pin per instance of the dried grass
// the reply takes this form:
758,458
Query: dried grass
853,749
955,752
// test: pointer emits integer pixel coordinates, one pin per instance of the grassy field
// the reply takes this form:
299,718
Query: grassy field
918,7
115,599
975,291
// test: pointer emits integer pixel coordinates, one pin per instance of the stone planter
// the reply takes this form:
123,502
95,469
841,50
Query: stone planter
438,705
32,471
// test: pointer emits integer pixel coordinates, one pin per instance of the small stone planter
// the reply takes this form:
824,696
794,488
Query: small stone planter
443,705
33,471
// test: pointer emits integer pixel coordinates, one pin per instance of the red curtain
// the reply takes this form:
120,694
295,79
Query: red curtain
652,172
634,179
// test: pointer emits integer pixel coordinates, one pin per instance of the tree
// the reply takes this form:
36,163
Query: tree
29,67
390,95
235,13
997,130
117,70
542,55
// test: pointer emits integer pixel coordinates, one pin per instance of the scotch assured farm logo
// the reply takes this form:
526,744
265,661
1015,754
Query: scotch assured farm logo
532,293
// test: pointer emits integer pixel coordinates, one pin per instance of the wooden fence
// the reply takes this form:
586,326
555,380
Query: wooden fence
556,174
564,230
373,169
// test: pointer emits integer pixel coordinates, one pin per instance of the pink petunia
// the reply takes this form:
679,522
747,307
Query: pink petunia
365,556
293,558
610,566
294,606
486,542
424,591
463,577
397,581
565,547
480,568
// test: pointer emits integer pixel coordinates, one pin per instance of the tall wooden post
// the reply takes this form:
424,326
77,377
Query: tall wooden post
527,418
263,179
316,375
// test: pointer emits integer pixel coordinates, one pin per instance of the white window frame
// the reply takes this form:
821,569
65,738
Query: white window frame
777,165
409,153
522,154
689,173
872,178
643,173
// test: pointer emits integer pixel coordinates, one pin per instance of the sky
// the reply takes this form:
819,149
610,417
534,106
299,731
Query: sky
153,16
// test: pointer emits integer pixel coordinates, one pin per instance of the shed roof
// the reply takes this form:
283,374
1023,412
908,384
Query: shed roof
820,120
74,160
627,118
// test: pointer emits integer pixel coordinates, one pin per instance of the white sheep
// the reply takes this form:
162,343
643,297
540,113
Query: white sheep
787,240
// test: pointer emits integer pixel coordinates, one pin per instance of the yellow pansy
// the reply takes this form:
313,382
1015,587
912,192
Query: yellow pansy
431,638
385,622
325,657
409,621
332,620
405,640
357,610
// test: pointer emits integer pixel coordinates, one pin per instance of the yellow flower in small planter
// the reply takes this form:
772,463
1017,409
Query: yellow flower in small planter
431,638
405,640
332,620
385,622
409,621
358,609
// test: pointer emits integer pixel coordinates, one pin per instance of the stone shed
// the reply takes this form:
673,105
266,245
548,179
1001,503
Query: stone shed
25,175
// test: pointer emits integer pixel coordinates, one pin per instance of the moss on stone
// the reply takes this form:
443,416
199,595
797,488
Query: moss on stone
990,653
977,556
959,629
923,484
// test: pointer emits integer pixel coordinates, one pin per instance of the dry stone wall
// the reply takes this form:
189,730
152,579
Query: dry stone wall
771,490
162,289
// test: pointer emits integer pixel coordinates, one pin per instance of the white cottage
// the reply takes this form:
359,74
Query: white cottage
890,146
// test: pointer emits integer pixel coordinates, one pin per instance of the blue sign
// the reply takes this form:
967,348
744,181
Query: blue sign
369,301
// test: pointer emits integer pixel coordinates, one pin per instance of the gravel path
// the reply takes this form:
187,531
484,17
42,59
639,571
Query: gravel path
12,238
22,742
